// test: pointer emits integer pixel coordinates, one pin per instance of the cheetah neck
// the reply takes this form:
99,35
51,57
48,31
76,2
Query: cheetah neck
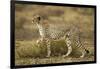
41,30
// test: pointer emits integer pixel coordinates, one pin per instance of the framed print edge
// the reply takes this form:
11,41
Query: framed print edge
12,31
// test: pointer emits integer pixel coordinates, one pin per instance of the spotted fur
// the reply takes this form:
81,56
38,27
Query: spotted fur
50,32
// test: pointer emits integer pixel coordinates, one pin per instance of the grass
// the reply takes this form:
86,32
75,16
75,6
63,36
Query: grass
30,61
28,52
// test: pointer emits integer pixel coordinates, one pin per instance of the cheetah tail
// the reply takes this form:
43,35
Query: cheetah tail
87,51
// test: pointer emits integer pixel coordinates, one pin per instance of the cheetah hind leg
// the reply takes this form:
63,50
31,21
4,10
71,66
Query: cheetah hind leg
83,54
83,50
68,44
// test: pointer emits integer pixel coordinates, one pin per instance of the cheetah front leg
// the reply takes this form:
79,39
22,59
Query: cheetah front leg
68,44
48,48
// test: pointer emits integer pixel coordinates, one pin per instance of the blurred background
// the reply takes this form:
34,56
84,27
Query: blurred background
25,30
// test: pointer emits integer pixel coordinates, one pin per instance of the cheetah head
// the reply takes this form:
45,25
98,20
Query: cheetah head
36,19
